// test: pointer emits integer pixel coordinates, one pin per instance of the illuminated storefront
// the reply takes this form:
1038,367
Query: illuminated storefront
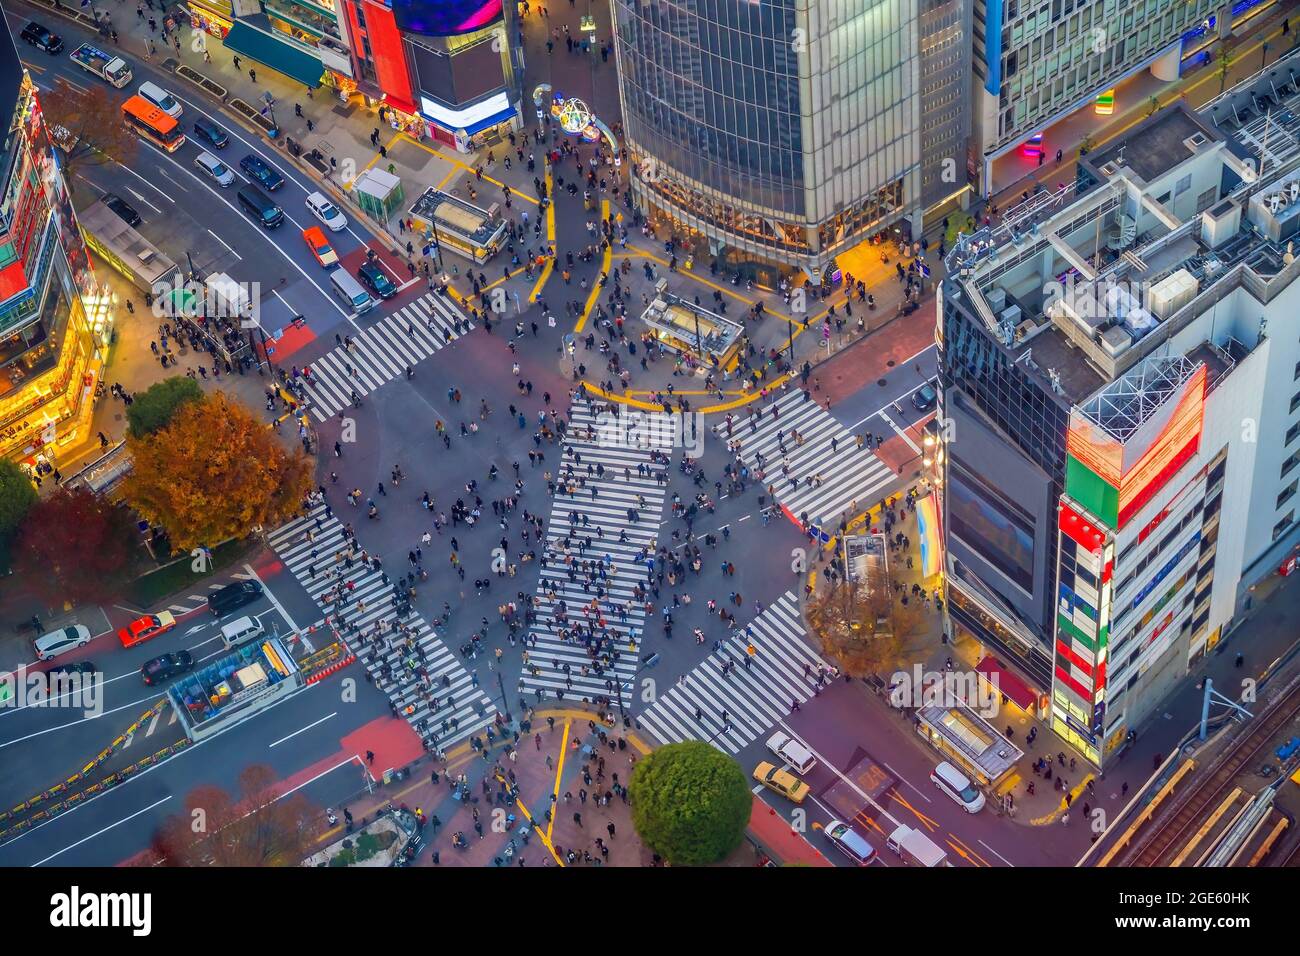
54,323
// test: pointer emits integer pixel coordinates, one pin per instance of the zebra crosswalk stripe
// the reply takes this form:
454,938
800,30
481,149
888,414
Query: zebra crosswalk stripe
826,450
628,483
462,703
784,668
382,352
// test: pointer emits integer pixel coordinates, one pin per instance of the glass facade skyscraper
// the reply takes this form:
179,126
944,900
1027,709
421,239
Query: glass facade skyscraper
775,132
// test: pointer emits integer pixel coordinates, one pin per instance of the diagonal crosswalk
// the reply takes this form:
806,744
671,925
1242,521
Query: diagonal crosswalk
784,668
624,475
817,475
461,706
382,352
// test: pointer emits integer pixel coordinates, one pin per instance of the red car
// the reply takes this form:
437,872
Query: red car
144,628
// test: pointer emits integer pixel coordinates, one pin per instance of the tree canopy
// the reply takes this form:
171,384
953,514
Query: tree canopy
75,546
253,829
154,407
17,495
214,472
863,627
690,803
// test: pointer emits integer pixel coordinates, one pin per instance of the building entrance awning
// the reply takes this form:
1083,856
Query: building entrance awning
279,55
1017,691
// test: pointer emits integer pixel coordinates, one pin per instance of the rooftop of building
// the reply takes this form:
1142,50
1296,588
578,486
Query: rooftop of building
1083,284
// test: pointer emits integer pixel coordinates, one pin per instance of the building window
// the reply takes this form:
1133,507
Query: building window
1291,433
1295,401
1183,185
1287,494
1280,528
1207,199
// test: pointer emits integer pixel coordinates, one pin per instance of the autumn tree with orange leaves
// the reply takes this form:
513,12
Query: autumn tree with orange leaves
214,472
86,123
251,829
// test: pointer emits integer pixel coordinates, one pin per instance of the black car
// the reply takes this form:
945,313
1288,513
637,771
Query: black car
924,398
123,209
207,130
77,667
166,666
39,35
232,596
261,173
376,280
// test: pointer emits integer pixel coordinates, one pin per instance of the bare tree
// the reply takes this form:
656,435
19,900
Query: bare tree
86,124
863,626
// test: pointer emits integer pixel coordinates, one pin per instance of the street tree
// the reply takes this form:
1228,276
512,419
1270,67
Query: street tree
154,407
17,495
214,472
690,803
86,124
1222,66
257,827
864,626
75,546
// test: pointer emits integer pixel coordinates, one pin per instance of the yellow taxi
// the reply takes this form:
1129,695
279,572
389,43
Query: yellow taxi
781,781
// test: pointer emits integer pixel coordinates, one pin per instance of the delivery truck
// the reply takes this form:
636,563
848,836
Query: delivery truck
916,848
106,66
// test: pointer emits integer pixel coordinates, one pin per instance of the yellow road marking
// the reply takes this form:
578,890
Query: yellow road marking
559,770
549,267
446,179
605,259
463,165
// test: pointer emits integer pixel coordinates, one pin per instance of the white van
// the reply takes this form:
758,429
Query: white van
956,784
318,205
160,98
241,629
214,168
793,751
353,294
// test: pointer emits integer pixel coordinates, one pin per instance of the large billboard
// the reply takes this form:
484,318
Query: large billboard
1113,480
444,18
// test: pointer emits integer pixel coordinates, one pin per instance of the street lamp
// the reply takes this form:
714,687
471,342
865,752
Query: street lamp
505,703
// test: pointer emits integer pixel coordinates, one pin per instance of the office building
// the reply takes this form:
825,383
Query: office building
1120,367
778,135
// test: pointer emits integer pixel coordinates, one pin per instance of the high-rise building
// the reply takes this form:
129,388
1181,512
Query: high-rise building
1039,61
1120,371
53,319
784,133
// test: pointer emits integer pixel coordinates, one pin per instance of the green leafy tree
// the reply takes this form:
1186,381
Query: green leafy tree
153,408
17,495
75,546
690,803
1222,66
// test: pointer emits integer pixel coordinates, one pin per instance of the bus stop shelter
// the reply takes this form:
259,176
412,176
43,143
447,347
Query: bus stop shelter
685,327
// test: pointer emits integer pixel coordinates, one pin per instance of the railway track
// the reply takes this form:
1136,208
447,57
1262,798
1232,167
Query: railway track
1169,833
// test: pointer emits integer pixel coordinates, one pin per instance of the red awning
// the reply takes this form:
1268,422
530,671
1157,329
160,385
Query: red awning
778,840
1016,690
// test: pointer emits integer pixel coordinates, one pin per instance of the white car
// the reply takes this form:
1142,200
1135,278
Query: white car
324,210
51,645
793,751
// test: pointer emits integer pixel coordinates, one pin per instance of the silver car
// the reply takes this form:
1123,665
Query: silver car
51,645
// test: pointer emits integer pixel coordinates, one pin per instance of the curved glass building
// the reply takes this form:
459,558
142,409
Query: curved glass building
781,131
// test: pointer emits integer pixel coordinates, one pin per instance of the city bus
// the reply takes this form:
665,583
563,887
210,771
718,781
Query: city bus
1105,103
149,122
459,226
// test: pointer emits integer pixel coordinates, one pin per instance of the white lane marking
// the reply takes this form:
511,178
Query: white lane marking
901,434
224,243
143,200
996,853
152,698
905,361
901,779
141,178
303,730
275,602
100,832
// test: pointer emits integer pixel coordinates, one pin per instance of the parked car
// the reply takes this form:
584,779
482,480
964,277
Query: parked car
232,596
146,627
924,398
166,666
51,645
261,173
207,130
781,781
125,211
376,280
39,35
